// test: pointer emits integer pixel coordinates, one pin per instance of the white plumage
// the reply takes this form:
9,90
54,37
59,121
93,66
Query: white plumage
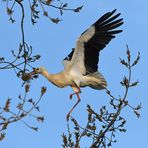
81,65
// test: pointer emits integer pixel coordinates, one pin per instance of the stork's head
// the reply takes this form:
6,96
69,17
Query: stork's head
27,76
40,70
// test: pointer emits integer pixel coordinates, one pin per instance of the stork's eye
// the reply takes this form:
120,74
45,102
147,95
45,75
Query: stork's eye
37,69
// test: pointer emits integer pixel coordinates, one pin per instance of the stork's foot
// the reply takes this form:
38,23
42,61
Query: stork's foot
76,93
67,117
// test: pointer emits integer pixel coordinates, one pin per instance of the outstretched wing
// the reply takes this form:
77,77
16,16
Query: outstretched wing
92,41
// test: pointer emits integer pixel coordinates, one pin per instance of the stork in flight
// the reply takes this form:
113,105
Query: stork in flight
80,66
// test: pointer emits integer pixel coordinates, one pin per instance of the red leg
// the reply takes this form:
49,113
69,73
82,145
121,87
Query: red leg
71,95
68,115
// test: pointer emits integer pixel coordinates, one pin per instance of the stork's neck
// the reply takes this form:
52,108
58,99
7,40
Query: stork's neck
56,79
47,75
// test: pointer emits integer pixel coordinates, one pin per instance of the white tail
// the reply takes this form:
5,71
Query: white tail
102,83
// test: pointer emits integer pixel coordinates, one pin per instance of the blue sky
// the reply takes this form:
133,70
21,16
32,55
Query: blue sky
54,42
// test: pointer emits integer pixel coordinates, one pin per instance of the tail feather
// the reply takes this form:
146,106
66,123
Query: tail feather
101,84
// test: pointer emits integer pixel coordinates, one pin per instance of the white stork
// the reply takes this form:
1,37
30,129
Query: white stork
80,66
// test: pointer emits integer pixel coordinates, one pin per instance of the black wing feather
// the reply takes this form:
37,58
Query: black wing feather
104,33
111,19
69,57
104,17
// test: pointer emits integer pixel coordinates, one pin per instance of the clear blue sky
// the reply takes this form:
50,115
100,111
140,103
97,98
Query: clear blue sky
54,42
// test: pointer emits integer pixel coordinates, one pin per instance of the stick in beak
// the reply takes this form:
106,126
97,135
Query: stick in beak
27,76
